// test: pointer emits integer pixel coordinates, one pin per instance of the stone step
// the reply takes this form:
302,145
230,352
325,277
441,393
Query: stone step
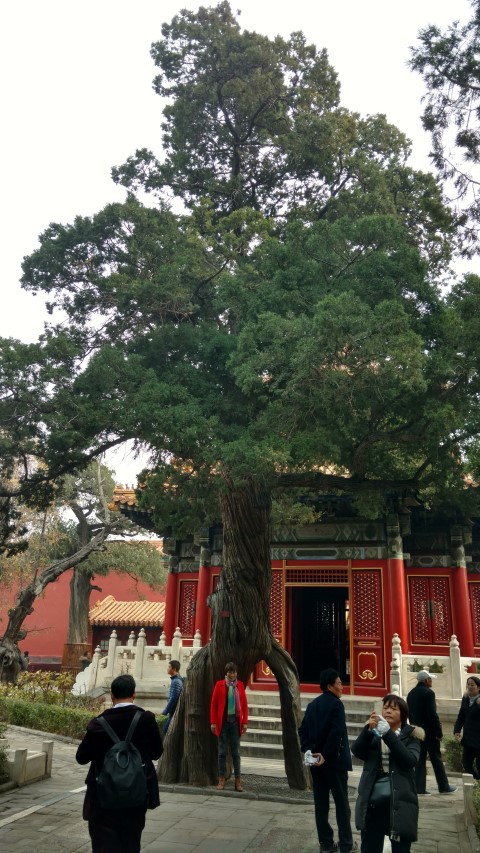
253,749
262,750
274,724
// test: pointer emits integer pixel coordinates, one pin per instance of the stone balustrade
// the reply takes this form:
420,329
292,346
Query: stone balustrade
451,670
147,664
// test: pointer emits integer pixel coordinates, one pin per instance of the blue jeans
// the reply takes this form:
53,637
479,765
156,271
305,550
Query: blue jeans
230,734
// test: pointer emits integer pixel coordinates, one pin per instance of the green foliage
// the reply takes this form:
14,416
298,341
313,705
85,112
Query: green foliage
68,721
291,320
449,64
50,688
476,802
140,559
453,754
44,717
4,776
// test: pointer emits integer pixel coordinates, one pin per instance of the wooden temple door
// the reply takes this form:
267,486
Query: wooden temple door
320,631
367,632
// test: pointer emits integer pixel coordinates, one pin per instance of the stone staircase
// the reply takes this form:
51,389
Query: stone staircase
263,739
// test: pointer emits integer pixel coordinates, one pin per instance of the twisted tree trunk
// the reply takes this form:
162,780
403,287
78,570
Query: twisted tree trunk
80,589
241,633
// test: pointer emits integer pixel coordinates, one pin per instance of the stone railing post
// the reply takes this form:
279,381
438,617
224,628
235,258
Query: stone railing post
458,675
162,641
396,666
47,748
176,644
197,640
141,643
18,766
131,639
112,646
93,668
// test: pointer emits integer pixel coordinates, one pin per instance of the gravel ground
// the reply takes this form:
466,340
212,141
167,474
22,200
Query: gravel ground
257,787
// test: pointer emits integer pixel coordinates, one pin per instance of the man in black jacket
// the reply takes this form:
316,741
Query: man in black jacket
119,830
422,711
324,732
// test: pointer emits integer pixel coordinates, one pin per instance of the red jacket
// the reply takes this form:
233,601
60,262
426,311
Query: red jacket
217,707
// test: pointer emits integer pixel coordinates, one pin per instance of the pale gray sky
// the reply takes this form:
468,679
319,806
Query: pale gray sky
77,99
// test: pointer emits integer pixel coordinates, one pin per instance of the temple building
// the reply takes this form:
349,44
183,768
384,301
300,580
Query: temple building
343,587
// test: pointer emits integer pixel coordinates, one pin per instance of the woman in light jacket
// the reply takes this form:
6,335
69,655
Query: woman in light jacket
394,749
469,720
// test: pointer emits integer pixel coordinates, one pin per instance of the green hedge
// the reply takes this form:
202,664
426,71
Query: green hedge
55,719
453,754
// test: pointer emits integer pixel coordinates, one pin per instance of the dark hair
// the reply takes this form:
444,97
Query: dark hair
474,678
122,687
231,667
175,664
328,676
397,702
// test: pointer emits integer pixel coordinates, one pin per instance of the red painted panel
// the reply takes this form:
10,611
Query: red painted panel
430,609
47,625
368,668
474,590
186,608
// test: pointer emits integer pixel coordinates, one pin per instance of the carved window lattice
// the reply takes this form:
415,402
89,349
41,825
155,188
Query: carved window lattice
298,575
442,627
475,605
419,608
276,605
186,610
430,609
366,599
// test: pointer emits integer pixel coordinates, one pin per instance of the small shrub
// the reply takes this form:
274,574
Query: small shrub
453,754
45,717
4,776
476,803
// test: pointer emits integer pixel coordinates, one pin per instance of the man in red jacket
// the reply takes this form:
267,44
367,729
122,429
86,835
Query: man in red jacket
228,721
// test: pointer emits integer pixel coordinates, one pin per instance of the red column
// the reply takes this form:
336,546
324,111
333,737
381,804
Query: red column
396,597
171,606
462,612
201,613
396,594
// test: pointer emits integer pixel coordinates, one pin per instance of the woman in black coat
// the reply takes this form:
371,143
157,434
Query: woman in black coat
469,720
392,750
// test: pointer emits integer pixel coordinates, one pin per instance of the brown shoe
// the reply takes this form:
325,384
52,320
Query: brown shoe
238,784
221,783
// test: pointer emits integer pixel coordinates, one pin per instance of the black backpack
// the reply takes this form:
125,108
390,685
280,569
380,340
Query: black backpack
121,782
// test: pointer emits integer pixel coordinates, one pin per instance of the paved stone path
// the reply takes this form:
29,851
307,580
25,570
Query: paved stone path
46,817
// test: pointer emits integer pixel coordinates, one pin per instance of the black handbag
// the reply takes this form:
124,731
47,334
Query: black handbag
381,791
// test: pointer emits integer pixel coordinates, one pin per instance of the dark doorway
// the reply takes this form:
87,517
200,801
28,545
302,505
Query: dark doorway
319,631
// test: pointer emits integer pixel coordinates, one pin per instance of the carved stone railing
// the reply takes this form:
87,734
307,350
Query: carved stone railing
147,664
451,670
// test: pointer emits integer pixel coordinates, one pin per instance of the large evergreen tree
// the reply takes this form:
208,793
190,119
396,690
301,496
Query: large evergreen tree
284,331
449,63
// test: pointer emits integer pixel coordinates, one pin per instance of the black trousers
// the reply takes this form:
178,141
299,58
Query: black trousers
325,780
430,747
471,760
376,828
116,831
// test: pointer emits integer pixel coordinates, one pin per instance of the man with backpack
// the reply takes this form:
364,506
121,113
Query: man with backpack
121,745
